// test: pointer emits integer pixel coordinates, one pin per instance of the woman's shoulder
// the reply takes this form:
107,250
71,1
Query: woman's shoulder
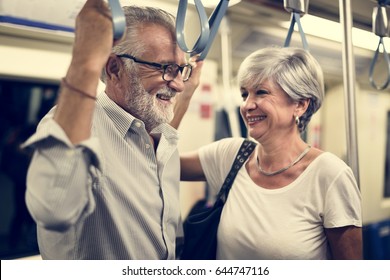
324,156
229,143
327,162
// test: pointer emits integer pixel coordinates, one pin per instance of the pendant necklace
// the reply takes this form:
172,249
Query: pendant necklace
284,168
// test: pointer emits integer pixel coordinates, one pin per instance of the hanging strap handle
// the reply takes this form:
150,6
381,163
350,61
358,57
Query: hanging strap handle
380,28
214,22
296,18
118,19
204,27
373,63
209,27
244,152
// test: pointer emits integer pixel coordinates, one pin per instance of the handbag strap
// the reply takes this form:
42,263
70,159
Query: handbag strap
243,153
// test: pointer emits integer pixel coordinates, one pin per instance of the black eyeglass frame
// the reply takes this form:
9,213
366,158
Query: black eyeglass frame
160,66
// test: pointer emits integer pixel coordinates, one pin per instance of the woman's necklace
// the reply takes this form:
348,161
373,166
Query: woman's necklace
284,168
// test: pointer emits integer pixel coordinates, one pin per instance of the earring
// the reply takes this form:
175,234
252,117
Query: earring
297,121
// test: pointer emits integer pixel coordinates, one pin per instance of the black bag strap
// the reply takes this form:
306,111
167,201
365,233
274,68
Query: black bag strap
243,153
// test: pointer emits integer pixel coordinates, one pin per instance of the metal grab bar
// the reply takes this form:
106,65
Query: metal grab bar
373,63
209,27
118,19
295,18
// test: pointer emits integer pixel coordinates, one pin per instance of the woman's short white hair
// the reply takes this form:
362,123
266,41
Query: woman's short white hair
294,70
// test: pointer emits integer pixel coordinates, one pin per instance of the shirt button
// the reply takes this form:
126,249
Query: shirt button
147,146
138,124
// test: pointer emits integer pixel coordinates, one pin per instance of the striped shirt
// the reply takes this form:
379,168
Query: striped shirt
110,197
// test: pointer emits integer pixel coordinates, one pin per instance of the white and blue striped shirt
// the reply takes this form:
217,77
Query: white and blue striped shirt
110,197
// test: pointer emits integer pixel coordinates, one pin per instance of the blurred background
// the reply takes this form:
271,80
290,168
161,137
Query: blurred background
36,39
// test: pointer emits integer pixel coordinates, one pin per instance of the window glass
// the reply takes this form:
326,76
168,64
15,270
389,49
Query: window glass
387,164
22,105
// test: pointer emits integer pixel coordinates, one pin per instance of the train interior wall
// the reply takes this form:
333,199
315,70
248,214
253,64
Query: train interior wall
41,60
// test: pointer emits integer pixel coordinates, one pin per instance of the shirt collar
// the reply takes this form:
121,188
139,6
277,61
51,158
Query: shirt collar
121,119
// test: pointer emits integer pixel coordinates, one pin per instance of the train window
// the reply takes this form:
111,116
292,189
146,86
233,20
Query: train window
22,105
387,164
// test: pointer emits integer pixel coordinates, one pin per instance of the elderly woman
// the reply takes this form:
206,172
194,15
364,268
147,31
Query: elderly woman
289,200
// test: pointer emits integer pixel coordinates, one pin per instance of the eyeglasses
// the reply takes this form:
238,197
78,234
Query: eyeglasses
170,71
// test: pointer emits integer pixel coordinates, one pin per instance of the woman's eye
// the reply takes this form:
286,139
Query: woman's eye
244,95
261,92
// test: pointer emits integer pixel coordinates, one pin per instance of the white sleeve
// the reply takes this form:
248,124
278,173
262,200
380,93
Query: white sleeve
59,177
343,201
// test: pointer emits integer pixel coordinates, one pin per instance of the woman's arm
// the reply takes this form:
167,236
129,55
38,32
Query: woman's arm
191,168
346,243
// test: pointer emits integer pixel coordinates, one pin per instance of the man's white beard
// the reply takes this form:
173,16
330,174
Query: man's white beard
145,106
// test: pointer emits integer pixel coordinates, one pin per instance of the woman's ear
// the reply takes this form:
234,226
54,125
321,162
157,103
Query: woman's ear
302,106
113,68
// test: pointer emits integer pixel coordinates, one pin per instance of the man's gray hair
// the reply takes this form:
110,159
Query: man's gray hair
136,17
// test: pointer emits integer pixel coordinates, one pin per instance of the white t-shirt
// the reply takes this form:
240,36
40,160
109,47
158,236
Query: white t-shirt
285,223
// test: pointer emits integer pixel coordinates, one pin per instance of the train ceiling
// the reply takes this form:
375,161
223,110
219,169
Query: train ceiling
255,24
362,9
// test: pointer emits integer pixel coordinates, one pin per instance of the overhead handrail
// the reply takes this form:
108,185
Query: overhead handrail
209,27
118,19
380,28
296,8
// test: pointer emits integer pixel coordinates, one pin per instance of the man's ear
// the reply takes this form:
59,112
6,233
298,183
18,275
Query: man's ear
113,68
